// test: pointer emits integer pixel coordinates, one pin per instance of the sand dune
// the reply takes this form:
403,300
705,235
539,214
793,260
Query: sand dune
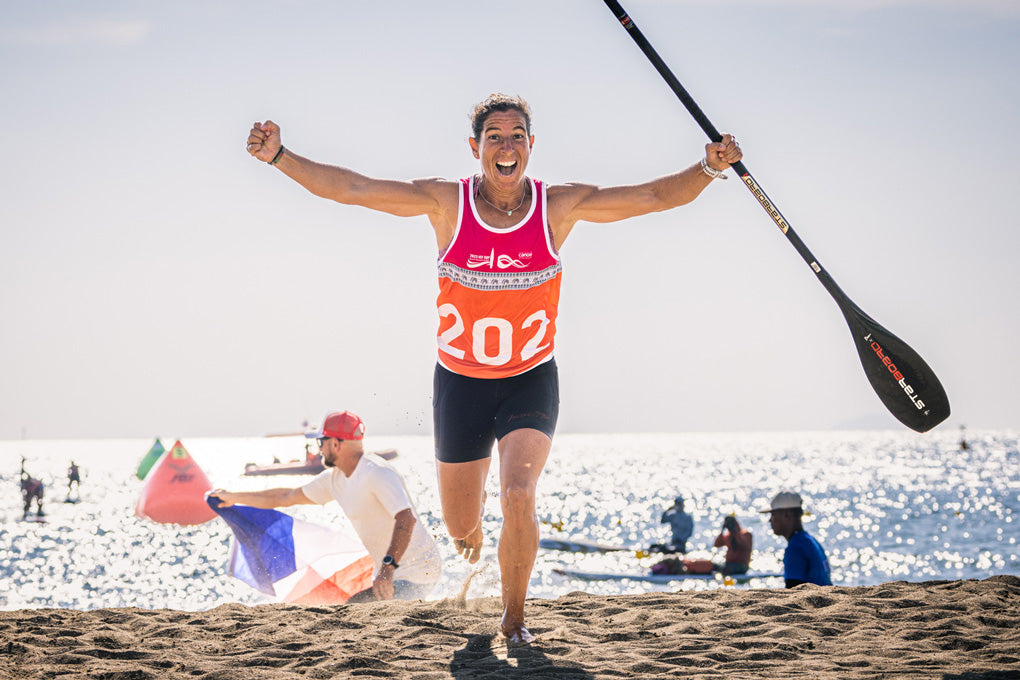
954,630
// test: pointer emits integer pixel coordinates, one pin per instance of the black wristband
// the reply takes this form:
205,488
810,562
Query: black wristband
278,156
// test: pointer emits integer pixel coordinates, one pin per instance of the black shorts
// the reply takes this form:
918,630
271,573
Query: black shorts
471,414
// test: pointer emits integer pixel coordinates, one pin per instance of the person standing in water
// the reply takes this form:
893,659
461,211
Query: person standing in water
73,479
32,491
498,235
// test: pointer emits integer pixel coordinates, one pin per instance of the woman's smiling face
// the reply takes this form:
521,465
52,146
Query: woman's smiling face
504,148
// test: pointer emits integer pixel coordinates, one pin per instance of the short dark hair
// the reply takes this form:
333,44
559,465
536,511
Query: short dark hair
498,102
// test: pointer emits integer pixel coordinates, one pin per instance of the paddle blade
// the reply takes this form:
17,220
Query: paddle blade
900,377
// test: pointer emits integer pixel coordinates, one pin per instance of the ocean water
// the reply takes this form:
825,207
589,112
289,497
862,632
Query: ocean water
885,506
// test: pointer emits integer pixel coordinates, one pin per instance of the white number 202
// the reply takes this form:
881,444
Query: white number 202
501,326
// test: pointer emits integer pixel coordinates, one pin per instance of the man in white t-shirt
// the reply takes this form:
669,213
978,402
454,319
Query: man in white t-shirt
374,498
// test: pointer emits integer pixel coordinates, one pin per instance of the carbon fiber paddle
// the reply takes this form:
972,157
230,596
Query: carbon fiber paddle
900,377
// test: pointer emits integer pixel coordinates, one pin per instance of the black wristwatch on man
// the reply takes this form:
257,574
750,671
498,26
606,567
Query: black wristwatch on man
389,561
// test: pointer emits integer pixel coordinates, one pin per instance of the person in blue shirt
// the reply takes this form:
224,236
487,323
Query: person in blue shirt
804,560
682,525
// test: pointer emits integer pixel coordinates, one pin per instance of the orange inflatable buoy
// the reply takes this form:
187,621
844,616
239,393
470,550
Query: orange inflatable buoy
174,491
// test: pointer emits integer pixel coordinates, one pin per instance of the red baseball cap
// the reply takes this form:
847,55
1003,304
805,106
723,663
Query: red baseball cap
340,424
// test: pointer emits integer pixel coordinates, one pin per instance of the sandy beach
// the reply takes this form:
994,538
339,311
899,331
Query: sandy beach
961,630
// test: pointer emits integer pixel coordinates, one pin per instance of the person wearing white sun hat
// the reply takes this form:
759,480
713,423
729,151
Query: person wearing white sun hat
804,561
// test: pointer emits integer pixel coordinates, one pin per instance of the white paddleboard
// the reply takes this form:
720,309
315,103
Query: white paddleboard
579,545
662,578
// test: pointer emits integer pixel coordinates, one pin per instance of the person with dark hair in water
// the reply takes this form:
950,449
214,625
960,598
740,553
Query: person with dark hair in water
681,525
738,543
73,479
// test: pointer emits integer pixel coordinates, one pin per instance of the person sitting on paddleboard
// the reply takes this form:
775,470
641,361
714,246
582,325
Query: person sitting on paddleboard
804,560
682,525
738,543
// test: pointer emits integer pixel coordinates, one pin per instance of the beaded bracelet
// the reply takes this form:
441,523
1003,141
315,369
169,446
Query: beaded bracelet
705,168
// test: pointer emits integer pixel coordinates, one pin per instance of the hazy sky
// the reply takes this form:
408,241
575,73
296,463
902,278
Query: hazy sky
156,280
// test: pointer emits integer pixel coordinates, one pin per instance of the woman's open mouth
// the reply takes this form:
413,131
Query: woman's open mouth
506,168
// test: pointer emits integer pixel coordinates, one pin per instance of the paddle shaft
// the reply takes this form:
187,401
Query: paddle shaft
713,134
901,378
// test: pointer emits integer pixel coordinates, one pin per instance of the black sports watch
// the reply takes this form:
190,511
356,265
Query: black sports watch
388,560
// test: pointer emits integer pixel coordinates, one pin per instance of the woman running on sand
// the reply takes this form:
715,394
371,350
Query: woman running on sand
499,234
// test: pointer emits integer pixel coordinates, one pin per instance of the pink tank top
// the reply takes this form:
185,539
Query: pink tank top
499,292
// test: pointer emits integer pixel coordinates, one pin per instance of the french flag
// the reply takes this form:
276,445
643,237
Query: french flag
292,560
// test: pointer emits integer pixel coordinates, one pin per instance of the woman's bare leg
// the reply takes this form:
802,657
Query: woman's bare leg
522,455
462,494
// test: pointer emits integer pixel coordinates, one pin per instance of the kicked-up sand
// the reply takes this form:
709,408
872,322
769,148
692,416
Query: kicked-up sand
947,630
